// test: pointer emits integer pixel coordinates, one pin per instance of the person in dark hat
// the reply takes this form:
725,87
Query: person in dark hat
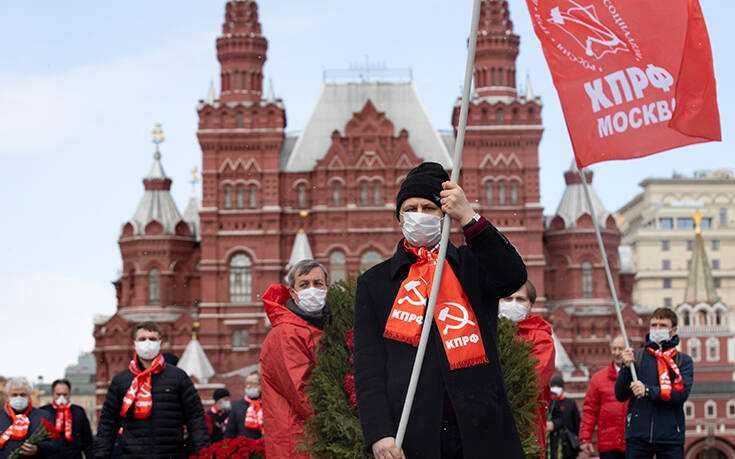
461,407
219,412
563,426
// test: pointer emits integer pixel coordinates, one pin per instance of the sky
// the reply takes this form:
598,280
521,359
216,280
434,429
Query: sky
82,84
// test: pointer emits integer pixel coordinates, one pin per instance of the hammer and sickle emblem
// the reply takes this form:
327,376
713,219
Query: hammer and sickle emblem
461,321
411,286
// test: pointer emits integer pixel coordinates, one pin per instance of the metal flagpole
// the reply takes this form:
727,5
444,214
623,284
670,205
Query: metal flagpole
456,166
607,268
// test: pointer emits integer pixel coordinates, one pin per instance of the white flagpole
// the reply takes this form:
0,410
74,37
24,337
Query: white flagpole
456,166
610,282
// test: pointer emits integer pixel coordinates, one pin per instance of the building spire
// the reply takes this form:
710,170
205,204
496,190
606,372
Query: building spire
497,49
270,96
210,94
700,285
529,88
301,249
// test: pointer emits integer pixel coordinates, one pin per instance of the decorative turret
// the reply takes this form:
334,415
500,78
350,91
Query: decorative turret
194,360
574,203
700,285
241,51
497,49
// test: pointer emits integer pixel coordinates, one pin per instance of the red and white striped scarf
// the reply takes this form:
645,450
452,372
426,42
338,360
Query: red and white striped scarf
254,414
665,361
18,430
63,419
139,392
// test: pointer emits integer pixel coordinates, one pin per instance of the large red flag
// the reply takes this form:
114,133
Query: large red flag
634,77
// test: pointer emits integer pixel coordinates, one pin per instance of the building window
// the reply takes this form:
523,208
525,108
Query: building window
243,81
684,223
723,216
719,317
689,264
715,264
717,281
337,266
364,193
501,194
489,193
240,197
253,197
731,408
514,193
301,195
376,193
500,116
228,198
369,259
693,347
702,316
492,76
666,265
500,77
665,245
667,302
690,245
706,223
587,286
666,282
710,409
241,278
240,338
713,349
685,319
235,79
689,410
665,223
154,286
336,194
715,244
239,121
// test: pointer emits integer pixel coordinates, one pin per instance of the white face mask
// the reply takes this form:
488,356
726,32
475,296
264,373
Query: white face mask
556,390
61,400
658,335
147,350
18,403
512,310
252,393
312,299
225,406
421,230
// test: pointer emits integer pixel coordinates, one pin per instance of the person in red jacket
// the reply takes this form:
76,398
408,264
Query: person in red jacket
602,409
533,328
298,314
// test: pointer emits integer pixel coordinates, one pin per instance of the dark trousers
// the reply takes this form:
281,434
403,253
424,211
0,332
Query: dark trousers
451,442
644,450
614,454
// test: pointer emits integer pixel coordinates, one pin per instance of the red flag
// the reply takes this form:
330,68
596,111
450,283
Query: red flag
634,77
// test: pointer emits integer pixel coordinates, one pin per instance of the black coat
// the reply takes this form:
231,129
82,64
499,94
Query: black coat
175,404
566,418
488,268
81,434
45,448
216,421
649,418
236,422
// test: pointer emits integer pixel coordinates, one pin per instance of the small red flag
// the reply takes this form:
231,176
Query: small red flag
634,77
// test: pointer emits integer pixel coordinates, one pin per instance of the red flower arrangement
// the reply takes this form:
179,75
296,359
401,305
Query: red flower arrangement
44,432
235,448
349,381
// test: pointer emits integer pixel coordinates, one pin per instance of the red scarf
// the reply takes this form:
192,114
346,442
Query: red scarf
63,419
665,361
558,397
254,414
139,392
454,317
18,430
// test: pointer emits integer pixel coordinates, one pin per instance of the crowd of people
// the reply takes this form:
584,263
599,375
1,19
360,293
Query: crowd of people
461,409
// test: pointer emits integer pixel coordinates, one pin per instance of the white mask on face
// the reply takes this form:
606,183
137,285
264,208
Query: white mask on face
658,335
147,350
61,400
556,390
512,310
225,406
421,230
252,393
18,403
312,299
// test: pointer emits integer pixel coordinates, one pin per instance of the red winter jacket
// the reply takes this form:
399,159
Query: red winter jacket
601,408
286,359
534,328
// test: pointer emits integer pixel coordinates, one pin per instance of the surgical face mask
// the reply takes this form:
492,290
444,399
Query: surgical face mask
421,230
61,400
147,350
18,403
252,393
225,406
658,335
512,310
312,299
556,390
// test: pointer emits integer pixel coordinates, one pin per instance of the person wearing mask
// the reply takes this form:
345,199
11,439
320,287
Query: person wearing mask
461,408
534,329
152,401
19,420
217,415
603,410
298,314
564,426
71,423
656,409
246,417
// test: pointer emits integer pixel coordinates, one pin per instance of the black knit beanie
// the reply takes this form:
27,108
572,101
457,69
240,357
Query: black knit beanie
220,393
423,181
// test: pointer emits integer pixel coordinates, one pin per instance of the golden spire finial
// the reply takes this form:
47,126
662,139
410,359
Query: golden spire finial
157,138
194,176
697,217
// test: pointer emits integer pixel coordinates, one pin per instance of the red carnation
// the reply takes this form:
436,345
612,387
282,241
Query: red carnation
51,429
349,337
349,385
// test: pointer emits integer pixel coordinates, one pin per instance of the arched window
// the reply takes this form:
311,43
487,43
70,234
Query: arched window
713,349
501,194
154,286
241,279
235,79
719,317
500,116
336,194
492,76
513,193
369,259
337,265
702,316
587,284
228,197
239,121
710,409
689,410
301,191
489,193
240,197
731,408
693,349
253,197
243,81
376,193
500,77
685,319
364,193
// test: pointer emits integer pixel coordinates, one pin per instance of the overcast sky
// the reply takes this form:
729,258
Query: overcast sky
82,84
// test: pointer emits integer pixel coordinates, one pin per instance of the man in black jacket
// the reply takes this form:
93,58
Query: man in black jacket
71,423
564,425
655,419
236,423
19,420
461,408
152,401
